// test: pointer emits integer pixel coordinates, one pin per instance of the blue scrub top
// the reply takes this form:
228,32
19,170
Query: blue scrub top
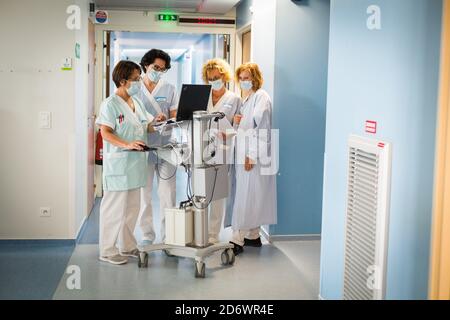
124,170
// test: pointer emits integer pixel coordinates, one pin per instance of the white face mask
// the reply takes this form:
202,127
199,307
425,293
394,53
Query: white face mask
216,84
134,88
153,75
246,85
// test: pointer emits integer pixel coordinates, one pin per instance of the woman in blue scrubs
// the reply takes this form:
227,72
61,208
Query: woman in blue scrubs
124,124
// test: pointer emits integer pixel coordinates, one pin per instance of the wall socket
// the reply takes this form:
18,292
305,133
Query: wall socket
45,212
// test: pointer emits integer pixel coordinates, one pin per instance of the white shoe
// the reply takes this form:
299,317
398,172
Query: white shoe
133,253
117,259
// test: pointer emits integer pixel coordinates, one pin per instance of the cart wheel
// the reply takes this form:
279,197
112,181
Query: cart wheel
199,269
225,257
143,260
231,256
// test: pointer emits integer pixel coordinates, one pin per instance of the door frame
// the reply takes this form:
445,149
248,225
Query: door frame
239,32
439,282
90,185
100,29
238,53
100,74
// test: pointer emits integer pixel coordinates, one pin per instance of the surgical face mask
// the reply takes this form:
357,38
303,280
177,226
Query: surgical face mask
134,88
246,85
154,75
216,84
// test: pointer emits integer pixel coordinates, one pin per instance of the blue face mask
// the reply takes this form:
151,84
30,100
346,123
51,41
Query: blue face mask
153,75
134,88
246,85
216,85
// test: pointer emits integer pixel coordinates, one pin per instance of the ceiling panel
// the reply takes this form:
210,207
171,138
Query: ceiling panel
136,44
148,40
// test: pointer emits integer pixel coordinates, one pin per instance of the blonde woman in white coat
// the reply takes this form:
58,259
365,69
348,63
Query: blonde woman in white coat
217,73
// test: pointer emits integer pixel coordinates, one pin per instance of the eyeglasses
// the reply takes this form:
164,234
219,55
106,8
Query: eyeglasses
158,68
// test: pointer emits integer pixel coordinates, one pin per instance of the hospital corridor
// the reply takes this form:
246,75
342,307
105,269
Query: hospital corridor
225,157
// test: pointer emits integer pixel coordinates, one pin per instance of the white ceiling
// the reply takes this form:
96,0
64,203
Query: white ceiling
148,40
136,44
187,6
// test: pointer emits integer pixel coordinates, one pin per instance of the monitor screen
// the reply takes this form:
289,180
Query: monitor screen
194,97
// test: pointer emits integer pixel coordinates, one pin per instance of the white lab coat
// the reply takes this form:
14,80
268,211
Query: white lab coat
162,99
230,105
255,202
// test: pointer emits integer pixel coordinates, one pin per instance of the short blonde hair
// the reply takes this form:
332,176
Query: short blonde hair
221,65
257,78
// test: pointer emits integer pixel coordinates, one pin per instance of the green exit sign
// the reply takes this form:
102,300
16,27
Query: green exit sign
167,17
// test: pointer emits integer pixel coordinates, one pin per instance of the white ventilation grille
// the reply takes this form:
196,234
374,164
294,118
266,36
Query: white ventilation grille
367,219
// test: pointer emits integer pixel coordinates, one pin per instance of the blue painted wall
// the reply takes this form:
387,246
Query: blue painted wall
390,76
299,104
301,67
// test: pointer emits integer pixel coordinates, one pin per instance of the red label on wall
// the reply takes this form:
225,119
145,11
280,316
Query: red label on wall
371,126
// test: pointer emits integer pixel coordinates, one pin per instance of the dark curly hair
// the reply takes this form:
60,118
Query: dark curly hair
152,55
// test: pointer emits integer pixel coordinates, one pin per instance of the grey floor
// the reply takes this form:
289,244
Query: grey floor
282,270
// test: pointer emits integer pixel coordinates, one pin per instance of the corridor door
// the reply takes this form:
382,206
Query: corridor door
246,46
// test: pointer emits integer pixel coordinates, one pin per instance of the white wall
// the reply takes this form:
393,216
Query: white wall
80,139
38,166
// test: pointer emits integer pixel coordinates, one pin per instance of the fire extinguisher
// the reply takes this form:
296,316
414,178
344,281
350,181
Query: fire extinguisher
99,149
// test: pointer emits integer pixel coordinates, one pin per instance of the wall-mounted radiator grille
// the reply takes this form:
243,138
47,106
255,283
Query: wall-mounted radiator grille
367,219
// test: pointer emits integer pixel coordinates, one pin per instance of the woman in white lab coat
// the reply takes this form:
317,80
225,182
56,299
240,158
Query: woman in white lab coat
217,73
255,201
161,101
